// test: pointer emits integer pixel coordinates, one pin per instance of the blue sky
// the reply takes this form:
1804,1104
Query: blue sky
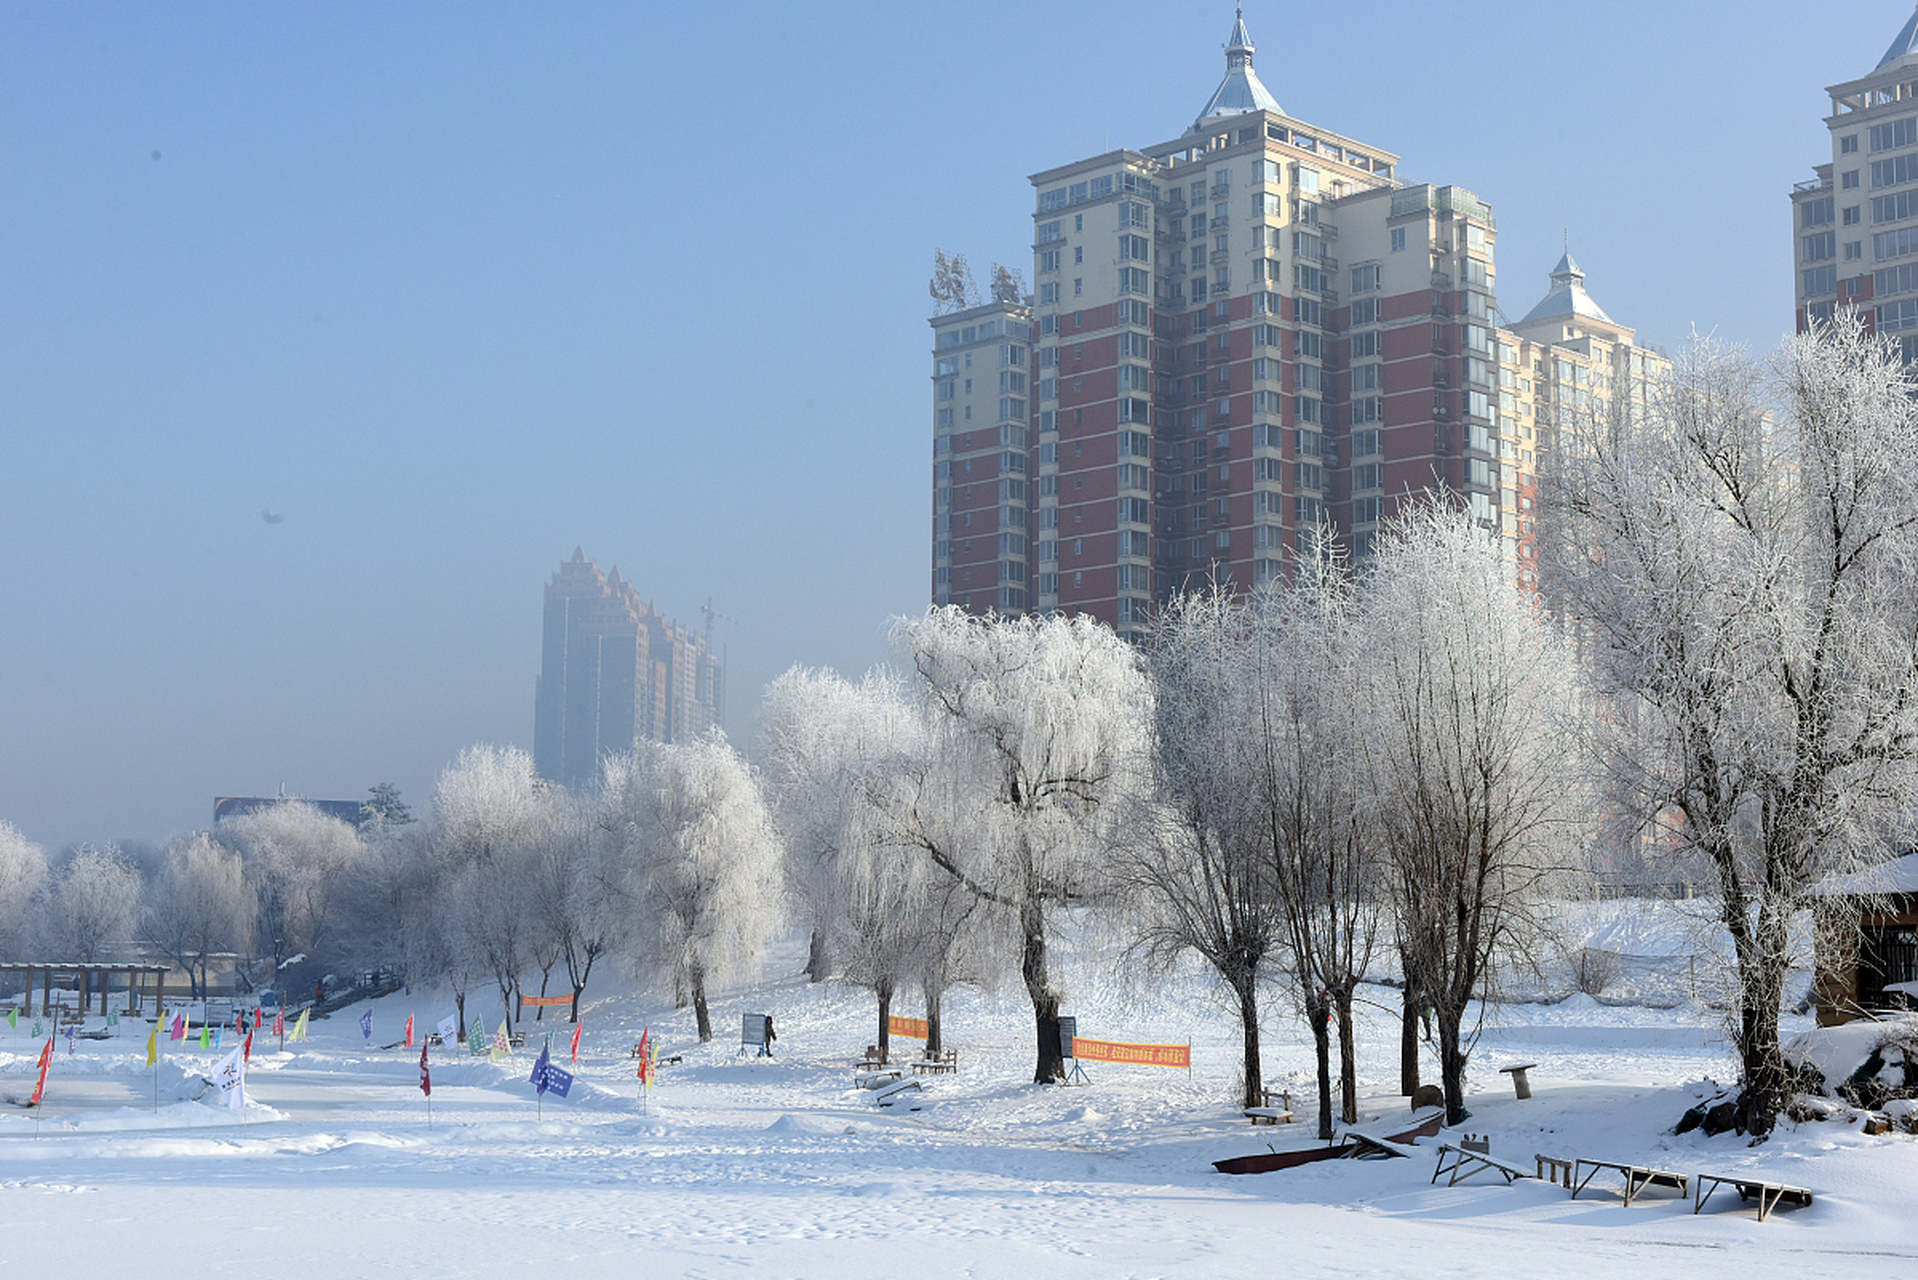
455,288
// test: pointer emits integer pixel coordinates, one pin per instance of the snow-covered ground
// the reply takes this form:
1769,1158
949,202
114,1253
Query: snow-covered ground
781,1167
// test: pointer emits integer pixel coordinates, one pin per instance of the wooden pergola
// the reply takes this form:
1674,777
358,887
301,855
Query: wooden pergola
84,974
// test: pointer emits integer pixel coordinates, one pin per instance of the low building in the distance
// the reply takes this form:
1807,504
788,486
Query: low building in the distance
351,812
613,673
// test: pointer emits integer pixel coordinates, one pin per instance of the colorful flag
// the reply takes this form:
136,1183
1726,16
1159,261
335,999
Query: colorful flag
449,1030
70,1030
230,1075
279,1021
153,1046
426,1077
179,1027
40,1085
219,1034
113,1017
645,1055
547,1077
502,1043
36,1028
576,1030
299,1028
409,1031
476,1039
13,1018
248,1046
206,1036
366,1024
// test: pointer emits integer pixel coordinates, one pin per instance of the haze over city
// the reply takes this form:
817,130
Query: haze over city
327,334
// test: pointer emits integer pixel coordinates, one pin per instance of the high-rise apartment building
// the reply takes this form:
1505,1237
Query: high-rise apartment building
613,673
1856,222
1233,336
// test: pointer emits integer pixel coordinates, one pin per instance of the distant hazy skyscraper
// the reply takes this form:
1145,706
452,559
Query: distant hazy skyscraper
1856,222
613,672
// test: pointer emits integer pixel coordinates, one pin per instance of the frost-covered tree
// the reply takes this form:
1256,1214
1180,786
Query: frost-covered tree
701,860
94,904
199,905
1463,694
1748,589
23,873
1324,853
295,859
1038,728
578,919
1195,862
490,808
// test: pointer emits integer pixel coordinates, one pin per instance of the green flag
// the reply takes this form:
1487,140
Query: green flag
113,1017
206,1039
476,1041
13,1018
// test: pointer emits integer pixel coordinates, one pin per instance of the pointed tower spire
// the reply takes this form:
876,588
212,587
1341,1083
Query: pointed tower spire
1905,45
1240,91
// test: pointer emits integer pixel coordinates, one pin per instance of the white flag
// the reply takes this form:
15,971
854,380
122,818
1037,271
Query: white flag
449,1030
230,1075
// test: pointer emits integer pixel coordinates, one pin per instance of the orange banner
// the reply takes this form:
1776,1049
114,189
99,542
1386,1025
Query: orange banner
534,1002
1139,1055
909,1028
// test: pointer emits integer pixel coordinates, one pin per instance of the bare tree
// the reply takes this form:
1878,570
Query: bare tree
1195,861
23,874
1463,692
1749,590
1038,726
1324,855
200,905
701,860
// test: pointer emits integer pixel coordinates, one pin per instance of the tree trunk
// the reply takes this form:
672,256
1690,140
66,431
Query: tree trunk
459,1007
1409,1043
935,1043
1050,1063
697,978
1348,1060
1451,1063
818,963
1318,1013
1766,1082
885,1021
1246,986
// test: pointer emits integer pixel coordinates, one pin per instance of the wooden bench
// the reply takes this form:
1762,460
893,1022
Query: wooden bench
1554,1170
1268,1115
1637,1177
873,1058
1367,1145
1520,1084
889,1094
936,1064
877,1079
1768,1194
1465,1161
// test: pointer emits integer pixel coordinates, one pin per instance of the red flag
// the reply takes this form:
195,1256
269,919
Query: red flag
279,1022
645,1053
577,1028
40,1085
248,1047
426,1077
409,1031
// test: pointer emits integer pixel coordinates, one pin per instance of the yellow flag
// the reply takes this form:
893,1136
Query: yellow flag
502,1044
299,1028
153,1046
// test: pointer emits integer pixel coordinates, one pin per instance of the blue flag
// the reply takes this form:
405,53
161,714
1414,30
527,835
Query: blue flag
540,1068
366,1024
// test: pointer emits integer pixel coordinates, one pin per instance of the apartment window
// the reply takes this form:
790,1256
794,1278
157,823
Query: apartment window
1366,278
1894,134
1049,295
1851,215
1848,180
1854,250
1364,344
1398,239
1078,254
1078,286
1848,144
1365,311
1049,260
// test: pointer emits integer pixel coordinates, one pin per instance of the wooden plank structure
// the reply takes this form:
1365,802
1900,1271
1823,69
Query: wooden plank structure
1637,1177
48,971
1768,1194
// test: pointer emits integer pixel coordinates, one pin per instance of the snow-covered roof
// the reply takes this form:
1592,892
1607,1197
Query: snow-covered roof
1240,91
1900,875
1905,45
1567,297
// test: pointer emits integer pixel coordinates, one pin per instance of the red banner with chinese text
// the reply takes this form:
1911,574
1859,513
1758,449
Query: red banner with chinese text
1138,1055
908,1028
535,1002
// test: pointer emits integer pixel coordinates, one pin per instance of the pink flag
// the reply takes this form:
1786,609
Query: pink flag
409,1031
179,1027
426,1077
577,1028
40,1085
